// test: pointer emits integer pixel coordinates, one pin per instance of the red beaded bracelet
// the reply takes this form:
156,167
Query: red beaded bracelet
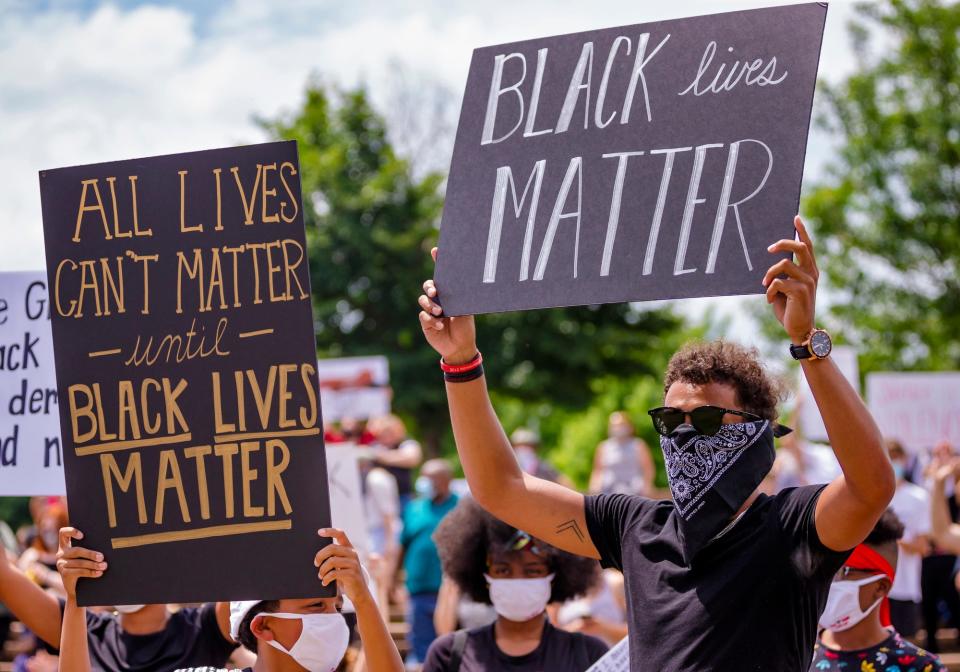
473,364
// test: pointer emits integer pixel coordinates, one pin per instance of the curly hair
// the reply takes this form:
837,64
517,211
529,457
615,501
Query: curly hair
464,537
701,363
244,635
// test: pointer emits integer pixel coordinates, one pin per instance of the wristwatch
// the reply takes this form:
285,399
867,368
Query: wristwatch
817,345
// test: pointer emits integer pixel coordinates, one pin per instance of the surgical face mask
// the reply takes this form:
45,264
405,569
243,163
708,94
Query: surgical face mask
424,487
527,457
620,432
711,476
899,470
843,604
128,608
322,643
520,599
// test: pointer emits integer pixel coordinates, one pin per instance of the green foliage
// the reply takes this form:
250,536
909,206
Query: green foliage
889,213
15,511
370,226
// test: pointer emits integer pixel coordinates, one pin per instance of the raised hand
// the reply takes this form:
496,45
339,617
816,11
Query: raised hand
455,338
74,562
794,296
339,562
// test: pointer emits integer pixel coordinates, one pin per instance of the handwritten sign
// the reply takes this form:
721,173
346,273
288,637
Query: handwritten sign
654,161
616,659
354,387
811,423
186,370
31,462
917,409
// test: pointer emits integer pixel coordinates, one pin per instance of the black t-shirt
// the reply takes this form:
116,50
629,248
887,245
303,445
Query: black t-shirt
192,638
559,651
750,600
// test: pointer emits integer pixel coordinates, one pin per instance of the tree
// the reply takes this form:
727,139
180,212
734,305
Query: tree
889,213
370,226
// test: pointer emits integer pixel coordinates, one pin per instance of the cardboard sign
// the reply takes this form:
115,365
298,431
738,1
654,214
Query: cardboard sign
354,387
186,370
617,659
654,161
811,424
917,409
30,452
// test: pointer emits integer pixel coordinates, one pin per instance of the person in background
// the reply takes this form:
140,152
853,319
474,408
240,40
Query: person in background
602,612
937,570
355,431
622,463
381,505
526,445
39,561
911,503
420,560
288,635
857,636
495,563
138,638
396,452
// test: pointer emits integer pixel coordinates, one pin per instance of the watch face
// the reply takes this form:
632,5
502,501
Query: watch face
820,344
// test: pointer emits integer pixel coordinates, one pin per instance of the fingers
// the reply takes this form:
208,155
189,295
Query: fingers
429,322
65,564
429,306
801,251
790,269
68,533
433,253
337,535
338,563
786,287
333,550
80,553
69,574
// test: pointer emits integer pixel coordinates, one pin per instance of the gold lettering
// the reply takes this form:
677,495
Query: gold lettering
274,482
111,471
170,478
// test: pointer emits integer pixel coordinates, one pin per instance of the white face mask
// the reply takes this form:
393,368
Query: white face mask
520,599
843,604
322,643
128,608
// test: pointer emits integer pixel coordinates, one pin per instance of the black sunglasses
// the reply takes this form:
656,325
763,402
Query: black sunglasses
705,419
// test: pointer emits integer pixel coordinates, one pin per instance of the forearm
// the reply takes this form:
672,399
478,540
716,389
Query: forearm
945,533
30,604
853,434
378,645
74,654
407,458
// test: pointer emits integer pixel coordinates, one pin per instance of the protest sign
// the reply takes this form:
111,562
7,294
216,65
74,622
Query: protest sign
346,494
917,409
30,451
354,387
617,659
811,423
653,161
186,370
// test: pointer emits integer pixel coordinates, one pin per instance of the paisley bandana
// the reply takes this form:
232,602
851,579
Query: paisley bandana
712,476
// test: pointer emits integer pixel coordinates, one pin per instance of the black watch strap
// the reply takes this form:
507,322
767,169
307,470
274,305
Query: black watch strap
800,351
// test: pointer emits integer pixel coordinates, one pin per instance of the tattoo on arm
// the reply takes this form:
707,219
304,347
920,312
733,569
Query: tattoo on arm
570,525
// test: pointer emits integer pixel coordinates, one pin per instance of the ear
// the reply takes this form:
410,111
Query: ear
260,628
883,587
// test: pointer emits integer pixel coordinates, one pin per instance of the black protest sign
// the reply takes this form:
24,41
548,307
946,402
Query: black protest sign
646,162
186,370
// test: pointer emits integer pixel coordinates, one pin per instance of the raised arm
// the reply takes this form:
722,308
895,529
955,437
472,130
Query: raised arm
851,505
546,510
946,533
73,564
29,603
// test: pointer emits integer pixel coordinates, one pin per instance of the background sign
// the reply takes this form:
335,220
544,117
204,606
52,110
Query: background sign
186,370
346,494
917,409
354,387
653,161
811,423
31,462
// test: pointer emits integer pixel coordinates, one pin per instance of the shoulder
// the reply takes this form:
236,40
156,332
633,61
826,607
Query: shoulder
441,650
924,659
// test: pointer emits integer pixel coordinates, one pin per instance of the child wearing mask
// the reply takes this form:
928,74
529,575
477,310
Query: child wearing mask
494,563
288,635
857,633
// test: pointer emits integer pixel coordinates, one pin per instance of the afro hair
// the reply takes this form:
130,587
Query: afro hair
465,536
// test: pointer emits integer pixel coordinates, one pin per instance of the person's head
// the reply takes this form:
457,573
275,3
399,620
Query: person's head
942,450
351,429
898,458
388,429
37,505
51,519
494,563
311,632
862,585
434,480
724,374
619,425
523,437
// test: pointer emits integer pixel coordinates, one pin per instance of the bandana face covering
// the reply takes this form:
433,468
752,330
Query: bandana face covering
712,476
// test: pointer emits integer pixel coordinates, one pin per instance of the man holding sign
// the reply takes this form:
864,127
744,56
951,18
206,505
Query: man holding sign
724,102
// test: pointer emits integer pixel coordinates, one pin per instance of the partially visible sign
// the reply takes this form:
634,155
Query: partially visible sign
346,494
811,423
354,387
917,409
616,659
31,462
186,369
653,161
